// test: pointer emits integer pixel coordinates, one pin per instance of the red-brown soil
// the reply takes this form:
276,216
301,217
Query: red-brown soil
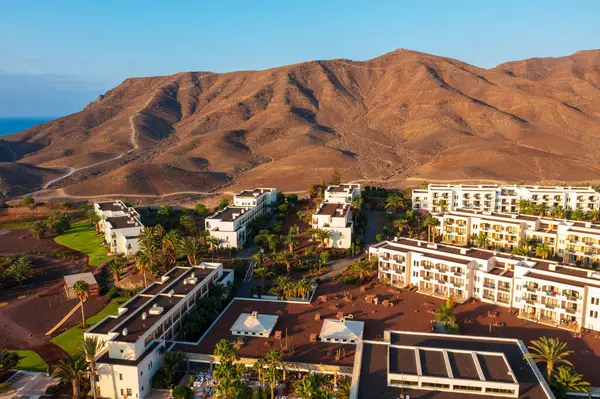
403,115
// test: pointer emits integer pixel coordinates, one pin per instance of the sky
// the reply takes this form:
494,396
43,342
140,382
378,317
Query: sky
56,56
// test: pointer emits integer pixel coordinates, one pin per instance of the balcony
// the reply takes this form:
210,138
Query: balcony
530,301
457,284
490,286
488,297
571,297
503,288
571,310
504,300
458,274
550,305
530,288
427,267
427,278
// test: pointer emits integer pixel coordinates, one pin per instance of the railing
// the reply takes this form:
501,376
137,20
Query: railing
550,306
488,297
530,289
427,278
503,300
490,286
503,288
571,297
530,301
571,310
427,267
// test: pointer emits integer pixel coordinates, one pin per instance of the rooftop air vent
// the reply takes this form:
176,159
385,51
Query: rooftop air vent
164,278
156,310
171,293
124,332
144,316
254,314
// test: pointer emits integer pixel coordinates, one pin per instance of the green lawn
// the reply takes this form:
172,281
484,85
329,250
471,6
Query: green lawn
69,340
30,361
81,237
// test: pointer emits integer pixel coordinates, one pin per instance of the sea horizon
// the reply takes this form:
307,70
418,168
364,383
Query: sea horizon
10,125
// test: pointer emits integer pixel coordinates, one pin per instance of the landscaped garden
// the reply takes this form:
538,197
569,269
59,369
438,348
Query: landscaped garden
82,237
30,361
69,340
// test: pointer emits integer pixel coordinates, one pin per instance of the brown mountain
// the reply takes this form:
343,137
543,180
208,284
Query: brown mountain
404,115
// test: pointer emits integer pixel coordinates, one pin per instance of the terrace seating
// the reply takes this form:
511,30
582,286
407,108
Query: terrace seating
278,334
313,337
317,316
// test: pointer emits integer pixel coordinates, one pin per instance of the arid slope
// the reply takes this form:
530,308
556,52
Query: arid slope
402,115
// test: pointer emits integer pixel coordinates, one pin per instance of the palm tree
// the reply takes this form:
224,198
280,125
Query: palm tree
143,264
430,222
71,369
287,258
446,313
262,273
528,243
273,362
225,351
191,248
90,348
594,214
443,205
363,268
280,289
321,235
542,209
291,239
81,290
356,206
309,387
304,286
400,224
214,243
482,240
393,202
116,266
548,350
558,212
578,214
170,247
568,380
543,250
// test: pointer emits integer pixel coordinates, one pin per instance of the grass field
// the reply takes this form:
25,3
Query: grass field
30,361
81,237
69,340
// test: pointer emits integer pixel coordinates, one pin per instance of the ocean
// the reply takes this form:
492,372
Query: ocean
14,125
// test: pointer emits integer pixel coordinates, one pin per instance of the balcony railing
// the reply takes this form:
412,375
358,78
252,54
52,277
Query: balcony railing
550,306
571,297
530,301
488,297
571,310
530,289
427,267
503,288
503,300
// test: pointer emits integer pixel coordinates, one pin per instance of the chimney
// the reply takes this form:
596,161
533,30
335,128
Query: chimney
255,314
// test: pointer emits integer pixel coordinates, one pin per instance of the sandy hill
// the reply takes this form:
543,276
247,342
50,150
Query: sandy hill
404,115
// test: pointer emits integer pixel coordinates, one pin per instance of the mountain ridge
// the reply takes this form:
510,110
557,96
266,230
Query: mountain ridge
402,115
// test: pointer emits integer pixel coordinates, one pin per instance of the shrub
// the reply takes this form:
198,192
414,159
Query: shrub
68,204
113,293
222,204
594,265
350,280
27,201
379,237
292,198
182,392
201,210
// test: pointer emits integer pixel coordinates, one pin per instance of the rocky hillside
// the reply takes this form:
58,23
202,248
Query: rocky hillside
404,115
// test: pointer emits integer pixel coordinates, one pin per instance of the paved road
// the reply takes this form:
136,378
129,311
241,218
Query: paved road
338,266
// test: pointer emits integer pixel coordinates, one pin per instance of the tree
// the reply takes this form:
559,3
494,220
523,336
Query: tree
8,360
482,240
227,374
364,268
142,264
357,204
93,218
116,266
262,273
273,362
430,222
394,202
188,224
287,258
182,392
543,250
71,369
214,243
304,287
281,287
201,210
549,350
400,224
594,214
336,178
528,243
443,205
225,351
20,269
343,391
90,348
28,201
223,203
291,239
170,248
446,313
191,248
39,228
81,290
578,214
66,204
568,380
60,222
321,235
311,386
324,258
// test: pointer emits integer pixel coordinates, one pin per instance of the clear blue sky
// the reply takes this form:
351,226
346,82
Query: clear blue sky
55,56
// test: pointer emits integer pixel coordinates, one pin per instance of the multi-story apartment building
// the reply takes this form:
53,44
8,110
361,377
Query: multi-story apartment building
502,198
134,340
230,224
334,214
573,241
121,226
543,291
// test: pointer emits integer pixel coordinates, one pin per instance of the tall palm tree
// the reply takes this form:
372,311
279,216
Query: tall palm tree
543,250
214,243
558,212
568,380
482,240
287,258
321,235
393,202
578,214
363,268
594,214
549,350
143,264
401,224
191,248
304,286
273,362
310,386
72,370
356,206
262,273
430,222
291,239
443,205
170,247
81,290
90,348
528,243
446,313
116,266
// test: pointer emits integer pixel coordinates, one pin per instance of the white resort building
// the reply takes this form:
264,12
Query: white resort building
121,226
135,339
572,241
230,224
502,198
334,214
543,291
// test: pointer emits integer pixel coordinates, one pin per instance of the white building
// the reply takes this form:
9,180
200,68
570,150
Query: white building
502,198
134,339
572,241
334,214
543,291
230,224
121,226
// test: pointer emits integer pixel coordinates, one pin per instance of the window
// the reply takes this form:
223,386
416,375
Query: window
122,392
128,392
434,385
150,366
594,314
467,388
120,377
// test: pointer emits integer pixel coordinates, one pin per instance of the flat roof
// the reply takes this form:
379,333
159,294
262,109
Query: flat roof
331,209
110,323
343,188
253,193
230,213
297,320
106,359
123,222
71,279
181,286
112,206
